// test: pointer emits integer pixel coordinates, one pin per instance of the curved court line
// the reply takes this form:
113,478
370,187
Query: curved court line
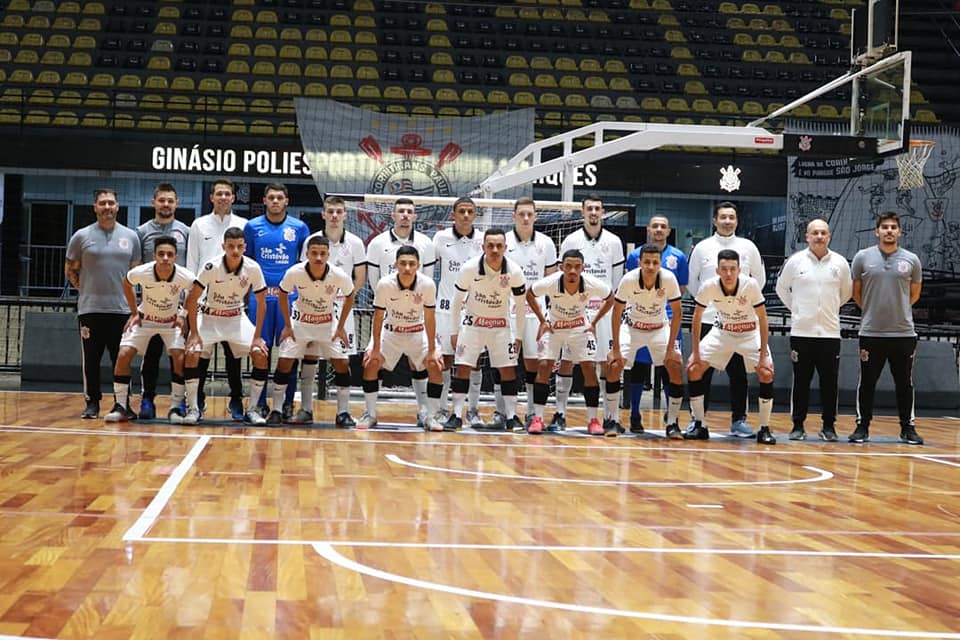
326,551
821,475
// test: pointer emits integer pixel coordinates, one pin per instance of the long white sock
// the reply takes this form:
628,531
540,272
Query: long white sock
308,385
371,401
612,405
444,394
277,392
509,406
766,408
256,388
696,407
531,409
673,409
564,383
473,393
499,401
176,394
420,390
121,391
458,401
192,386
343,399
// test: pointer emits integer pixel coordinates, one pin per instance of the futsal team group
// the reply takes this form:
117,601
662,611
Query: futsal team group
506,294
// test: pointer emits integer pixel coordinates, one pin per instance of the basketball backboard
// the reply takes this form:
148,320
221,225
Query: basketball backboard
880,103
873,31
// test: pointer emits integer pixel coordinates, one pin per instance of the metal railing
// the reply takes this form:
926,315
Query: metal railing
42,270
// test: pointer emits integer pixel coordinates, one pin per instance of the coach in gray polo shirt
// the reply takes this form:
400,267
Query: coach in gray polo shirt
98,258
163,224
886,284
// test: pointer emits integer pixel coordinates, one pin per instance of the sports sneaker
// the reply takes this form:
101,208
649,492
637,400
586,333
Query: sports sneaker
611,428
91,411
909,435
741,429
673,432
498,422
559,422
236,409
595,428
287,412
453,423
302,417
420,423
263,410
117,414
254,417
829,434
765,437
798,433
192,416
860,434
148,411
696,431
536,425
473,417
434,423
274,418
175,415
366,421
514,424
344,421
636,424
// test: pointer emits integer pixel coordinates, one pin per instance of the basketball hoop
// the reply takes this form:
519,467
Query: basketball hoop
910,164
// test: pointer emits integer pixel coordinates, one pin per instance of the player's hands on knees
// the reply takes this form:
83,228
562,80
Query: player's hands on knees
341,335
545,327
673,356
194,343
764,369
132,321
259,345
694,363
287,334
435,358
373,356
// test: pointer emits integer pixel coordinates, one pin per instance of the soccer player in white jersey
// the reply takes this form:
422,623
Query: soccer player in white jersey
741,328
312,330
566,327
485,285
703,264
537,256
382,250
226,281
346,252
161,283
603,258
647,291
404,323
453,247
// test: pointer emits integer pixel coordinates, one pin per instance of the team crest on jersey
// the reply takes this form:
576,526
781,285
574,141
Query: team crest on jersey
661,293
418,298
504,280
671,262
584,297
330,289
742,300
289,234
244,281
174,289
415,172
903,266
123,243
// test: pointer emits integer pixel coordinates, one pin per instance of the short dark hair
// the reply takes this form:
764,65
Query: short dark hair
225,181
494,231
276,186
591,197
321,240
333,200
463,200
887,215
726,204
170,240
164,186
407,250
650,248
728,254
524,200
233,233
402,201
572,253
99,192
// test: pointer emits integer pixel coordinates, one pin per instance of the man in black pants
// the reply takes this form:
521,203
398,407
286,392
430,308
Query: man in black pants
886,284
813,284
98,258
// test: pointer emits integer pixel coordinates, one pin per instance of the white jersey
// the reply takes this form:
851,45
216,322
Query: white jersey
602,256
703,264
316,296
569,310
647,307
452,250
225,290
205,241
346,254
160,299
534,256
382,254
488,292
403,306
736,312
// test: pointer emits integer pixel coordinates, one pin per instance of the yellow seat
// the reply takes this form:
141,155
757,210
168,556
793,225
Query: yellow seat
341,36
749,7
519,80
687,69
238,67
210,85
758,24
620,84
130,81
265,87
368,73
205,124
549,99
159,63
736,23
474,96
505,12
365,55
340,20
626,102
926,116
783,25
728,107
524,99
94,120
266,33
565,64
341,71
315,89
102,80
26,56
681,52
168,11
677,104
441,58
614,66
342,54
289,69
75,79
241,31
233,125
368,92
545,81
265,51
570,82
541,62
38,22
437,24
446,94
772,10
96,99
316,35
236,85
53,58
79,59
13,20
790,41
156,82
743,39
498,96
444,76
651,103
695,88
40,96
150,122
267,17
287,128
368,38
264,68
776,57
261,105
315,70
516,62
31,40
10,39
341,91
289,89
242,15
315,53
601,101
766,40
799,57
394,92
291,33
595,83
590,65
674,35
434,8
597,15
827,111
751,55
702,105
165,29
179,103
576,15
68,7
234,105
752,108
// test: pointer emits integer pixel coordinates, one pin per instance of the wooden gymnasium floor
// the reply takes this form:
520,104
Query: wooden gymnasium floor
152,531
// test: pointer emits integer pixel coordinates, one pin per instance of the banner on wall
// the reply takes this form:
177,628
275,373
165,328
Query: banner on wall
353,150
851,193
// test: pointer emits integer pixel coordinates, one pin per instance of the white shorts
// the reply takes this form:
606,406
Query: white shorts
530,327
604,337
578,345
350,326
498,342
413,345
718,346
655,340
443,333
314,340
237,331
139,337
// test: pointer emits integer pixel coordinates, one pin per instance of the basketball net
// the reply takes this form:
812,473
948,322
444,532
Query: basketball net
910,164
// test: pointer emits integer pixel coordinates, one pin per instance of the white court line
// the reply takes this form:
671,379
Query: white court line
929,459
150,514
326,551
589,444
821,475
705,506
564,549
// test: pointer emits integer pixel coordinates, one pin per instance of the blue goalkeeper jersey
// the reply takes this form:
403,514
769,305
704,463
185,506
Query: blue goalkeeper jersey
275,247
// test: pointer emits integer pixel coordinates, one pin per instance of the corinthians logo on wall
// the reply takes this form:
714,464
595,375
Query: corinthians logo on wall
414,172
